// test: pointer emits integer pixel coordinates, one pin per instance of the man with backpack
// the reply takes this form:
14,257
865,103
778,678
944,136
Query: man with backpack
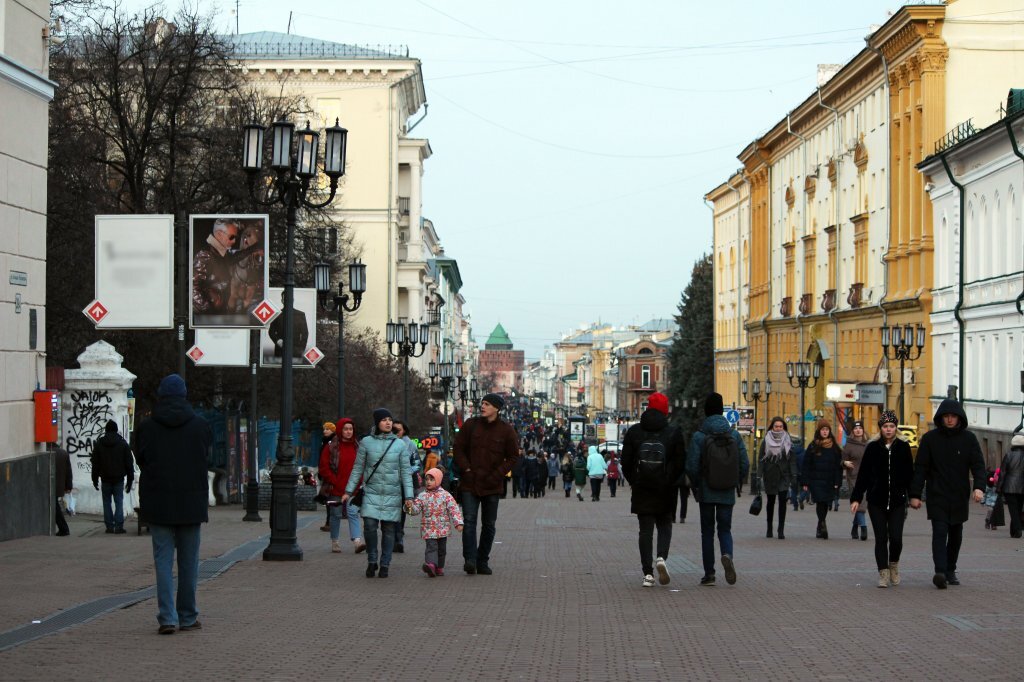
653,458
715,463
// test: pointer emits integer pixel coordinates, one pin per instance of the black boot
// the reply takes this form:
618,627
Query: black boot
853,530
769,533
863,532
824,531
818,532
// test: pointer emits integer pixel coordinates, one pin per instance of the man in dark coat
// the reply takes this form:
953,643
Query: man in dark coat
172,451
485,450
112,463
62,486
654,503
945,457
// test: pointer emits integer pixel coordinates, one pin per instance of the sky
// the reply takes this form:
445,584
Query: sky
573,140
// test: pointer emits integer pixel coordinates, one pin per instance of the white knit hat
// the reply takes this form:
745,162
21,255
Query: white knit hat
1018,441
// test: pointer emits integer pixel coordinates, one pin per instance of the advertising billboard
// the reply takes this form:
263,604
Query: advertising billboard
134,275
303,325
229,271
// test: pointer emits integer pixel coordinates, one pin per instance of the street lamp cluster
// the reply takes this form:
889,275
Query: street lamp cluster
402,340
905,343
803,375
342,303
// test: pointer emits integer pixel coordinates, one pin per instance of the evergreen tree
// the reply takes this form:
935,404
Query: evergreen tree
692,355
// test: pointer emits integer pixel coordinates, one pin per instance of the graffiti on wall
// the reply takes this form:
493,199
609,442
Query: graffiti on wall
90,411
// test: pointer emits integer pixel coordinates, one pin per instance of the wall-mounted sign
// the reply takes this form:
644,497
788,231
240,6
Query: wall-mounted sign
18,279
871,394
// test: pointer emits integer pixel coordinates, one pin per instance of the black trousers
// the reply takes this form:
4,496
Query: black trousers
888,527
1014,503
684,496
946,541
58,516
647,524
595,488
771,510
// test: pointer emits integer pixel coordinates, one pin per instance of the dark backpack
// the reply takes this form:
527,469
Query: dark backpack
651,463
720,461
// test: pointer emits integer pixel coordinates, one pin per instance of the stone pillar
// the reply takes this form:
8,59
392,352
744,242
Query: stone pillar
94,394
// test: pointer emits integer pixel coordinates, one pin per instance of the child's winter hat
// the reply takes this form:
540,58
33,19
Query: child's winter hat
435,474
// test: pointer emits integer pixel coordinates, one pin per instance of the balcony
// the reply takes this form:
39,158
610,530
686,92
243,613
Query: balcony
856,294
806,304
828,300
403,210
786,307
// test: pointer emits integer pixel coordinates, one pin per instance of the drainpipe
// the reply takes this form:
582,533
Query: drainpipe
714,360
960,285
888,191
739,270
839,242
1016,150
803,145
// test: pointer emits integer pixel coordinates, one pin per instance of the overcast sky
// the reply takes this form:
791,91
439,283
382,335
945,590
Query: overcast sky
574,140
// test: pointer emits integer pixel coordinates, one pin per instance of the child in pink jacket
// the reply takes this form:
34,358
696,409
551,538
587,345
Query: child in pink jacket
440,513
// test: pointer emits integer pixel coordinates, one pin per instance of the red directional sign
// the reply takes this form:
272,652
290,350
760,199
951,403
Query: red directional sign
195,353
265,312
96,311
313,355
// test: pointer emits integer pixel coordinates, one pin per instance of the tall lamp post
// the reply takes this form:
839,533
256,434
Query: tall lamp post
340,303
905,344
402,341
294,172
805,375
448,373
755,396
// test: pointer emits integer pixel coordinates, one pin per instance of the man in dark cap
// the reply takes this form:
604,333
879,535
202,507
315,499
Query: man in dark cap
486,449
173,492
112,463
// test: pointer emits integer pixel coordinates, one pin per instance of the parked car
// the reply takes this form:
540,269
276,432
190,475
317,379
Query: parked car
610,446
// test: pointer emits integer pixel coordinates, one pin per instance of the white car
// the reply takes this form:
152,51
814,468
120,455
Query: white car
610,446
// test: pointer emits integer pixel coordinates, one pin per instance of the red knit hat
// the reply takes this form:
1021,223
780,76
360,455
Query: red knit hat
659,402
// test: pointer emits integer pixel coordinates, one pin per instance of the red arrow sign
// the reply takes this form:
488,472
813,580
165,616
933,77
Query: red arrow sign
265,312
313,355
96,311
195,353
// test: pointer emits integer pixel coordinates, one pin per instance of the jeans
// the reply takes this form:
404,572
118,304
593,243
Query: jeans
436,551
946,541
113,518
387,545
888,527
185,539
595,488
487,508
647,524
334,516
711,515
858,520
1013,509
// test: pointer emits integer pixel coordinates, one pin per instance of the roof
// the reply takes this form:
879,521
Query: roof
659,324
498,339
274,45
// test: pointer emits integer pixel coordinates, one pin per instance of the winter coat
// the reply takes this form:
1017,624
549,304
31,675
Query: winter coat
596,466
112,460
337,480
945,458
777,475
553,466
171,450
484,452
440,513
1011,476
822,472
579,469
712,425
613,469
884,475
853,452
386,488
62,472
659,500
531,468
567,472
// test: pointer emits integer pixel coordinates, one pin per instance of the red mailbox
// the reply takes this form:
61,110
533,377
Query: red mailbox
47,415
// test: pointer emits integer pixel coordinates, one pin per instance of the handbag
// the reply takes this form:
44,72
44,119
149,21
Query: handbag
357,499
756,504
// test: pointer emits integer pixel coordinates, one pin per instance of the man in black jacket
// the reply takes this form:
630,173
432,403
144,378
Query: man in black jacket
111,463
945,457
173,491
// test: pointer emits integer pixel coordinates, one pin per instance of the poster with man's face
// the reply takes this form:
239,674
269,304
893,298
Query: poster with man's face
303,329
229,269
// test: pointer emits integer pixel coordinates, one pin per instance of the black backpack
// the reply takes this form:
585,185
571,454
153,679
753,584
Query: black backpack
720,461
651,463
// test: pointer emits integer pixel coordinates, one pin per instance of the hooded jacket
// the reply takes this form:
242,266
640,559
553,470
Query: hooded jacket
112,460
171,450
346,460
714,424
945,458
653,501
596,466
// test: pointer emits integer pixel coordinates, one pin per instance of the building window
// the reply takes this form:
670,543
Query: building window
645,376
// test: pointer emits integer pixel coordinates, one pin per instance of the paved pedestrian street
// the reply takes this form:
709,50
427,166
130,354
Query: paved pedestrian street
564,603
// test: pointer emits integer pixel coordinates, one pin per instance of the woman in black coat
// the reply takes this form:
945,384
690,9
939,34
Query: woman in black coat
822,472
886,472
778,471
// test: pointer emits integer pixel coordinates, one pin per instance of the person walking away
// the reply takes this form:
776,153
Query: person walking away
530,468
63,483
822,473
884,473
1011,482
382,467
946,457
778,471
597,468
613,474
336,462
553,469
112,463
715,463
653,462
567,473
853,453
486,448
796,493
171,449
440,512
579,472
518,475
540,482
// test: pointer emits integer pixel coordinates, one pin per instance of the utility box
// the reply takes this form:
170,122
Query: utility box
47,415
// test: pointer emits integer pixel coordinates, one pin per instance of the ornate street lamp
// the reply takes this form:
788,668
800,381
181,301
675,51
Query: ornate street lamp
804,374
905,344
755,396
340,303
295,170
402,341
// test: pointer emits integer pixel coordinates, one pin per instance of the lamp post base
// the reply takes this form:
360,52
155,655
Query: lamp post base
283,545
252,502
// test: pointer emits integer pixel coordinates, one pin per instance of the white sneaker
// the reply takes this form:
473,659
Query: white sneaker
648,581
662,569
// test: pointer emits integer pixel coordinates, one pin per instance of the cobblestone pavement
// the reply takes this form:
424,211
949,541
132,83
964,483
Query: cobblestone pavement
564,603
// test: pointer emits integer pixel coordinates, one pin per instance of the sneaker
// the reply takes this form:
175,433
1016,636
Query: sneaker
951,578
194,626
439,571
167,630
360,545
730,570
383,572
469,568
430,569
335,547
662,569
894,572
707,581
648,581
939,580
371,569
483,569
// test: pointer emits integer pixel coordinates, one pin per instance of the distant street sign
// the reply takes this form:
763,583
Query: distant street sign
195,354
733,417
265,312
313,355
96,311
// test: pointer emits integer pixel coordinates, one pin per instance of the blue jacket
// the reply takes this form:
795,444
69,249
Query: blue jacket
596,466
716,423
390,484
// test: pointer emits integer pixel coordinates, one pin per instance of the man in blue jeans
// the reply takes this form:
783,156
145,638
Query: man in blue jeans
112,463
171,450
716,498
485,450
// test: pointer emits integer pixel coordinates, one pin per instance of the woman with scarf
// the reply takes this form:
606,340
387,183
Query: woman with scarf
778,471
823,472
884,477
336,461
